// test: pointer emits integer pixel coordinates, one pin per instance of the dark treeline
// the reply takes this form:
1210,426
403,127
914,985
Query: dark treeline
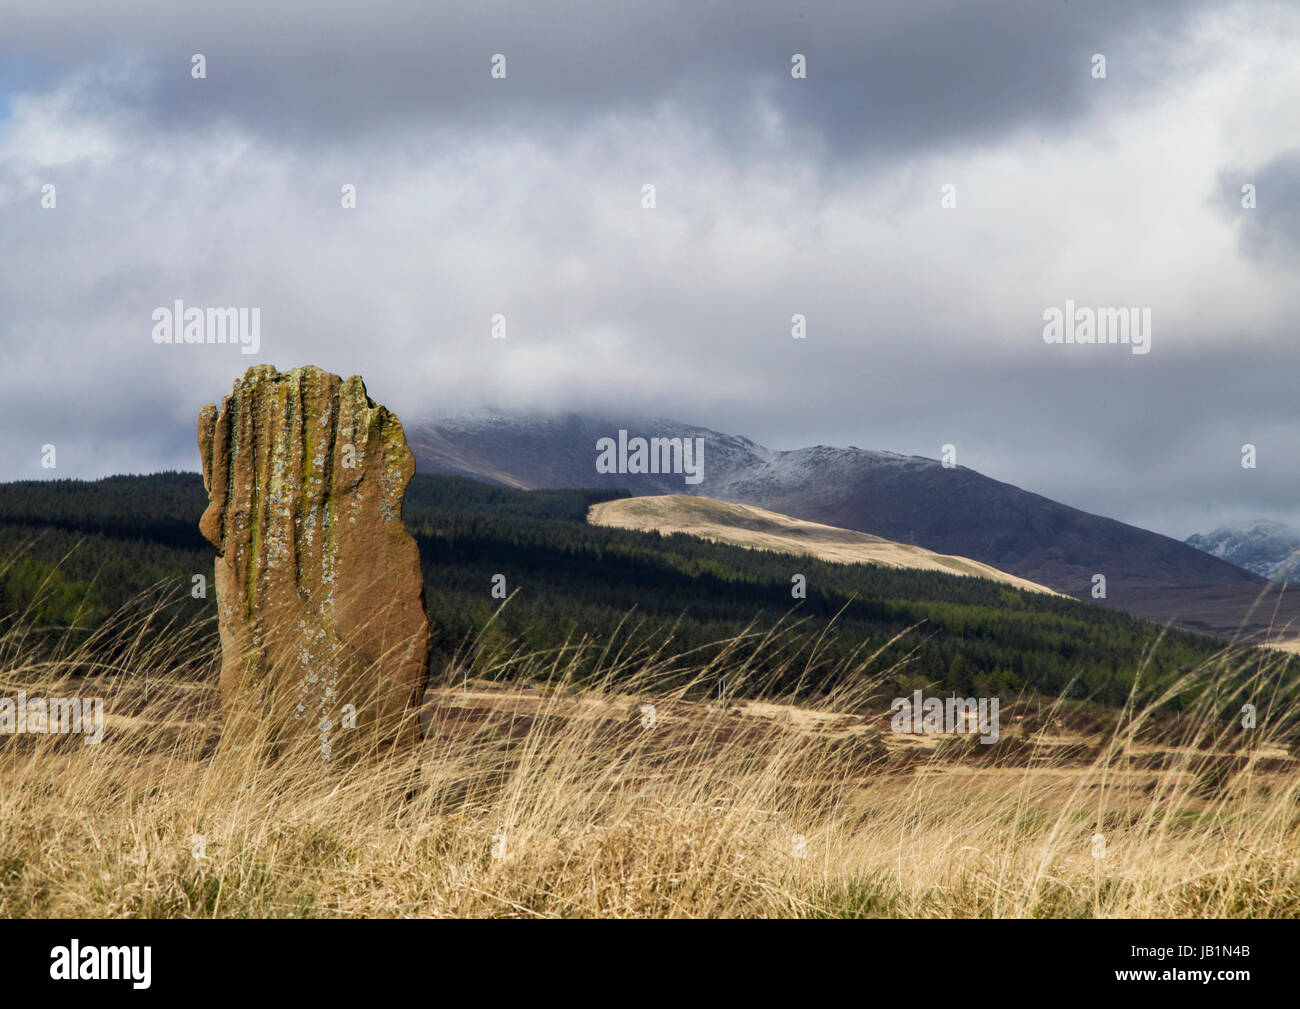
71,552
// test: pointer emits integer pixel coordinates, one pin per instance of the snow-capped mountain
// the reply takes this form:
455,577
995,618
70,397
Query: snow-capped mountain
533,450
1270,549
908,499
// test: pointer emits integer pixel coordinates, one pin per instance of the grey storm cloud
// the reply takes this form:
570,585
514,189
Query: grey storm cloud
775,196
883,76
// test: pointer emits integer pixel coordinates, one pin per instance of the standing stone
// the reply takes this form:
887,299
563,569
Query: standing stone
324,636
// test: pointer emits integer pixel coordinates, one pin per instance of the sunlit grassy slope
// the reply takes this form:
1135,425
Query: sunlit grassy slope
760,529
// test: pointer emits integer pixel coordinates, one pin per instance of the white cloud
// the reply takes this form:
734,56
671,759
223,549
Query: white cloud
924,323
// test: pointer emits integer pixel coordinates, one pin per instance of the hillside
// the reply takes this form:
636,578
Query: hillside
908,499
759,529
72,552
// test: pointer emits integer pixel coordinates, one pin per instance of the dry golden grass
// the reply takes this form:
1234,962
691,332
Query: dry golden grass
759,529
598,815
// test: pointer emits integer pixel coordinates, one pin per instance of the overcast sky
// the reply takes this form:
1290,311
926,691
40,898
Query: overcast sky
522,196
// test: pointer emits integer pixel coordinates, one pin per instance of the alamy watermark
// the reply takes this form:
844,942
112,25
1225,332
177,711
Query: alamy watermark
653,455
75,962
53,715
179,324
949,715
1130,326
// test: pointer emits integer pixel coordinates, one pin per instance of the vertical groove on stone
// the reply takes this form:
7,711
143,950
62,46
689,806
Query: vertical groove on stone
319,587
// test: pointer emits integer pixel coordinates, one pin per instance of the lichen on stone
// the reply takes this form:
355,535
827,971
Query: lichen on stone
274,467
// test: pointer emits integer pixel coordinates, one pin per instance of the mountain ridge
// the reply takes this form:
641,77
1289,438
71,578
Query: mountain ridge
871,491
908,499
1267,548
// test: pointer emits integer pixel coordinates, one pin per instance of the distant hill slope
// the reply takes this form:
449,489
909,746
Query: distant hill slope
1269,549
760,529
907,499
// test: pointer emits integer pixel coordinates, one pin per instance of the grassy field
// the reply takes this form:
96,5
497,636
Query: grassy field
535,796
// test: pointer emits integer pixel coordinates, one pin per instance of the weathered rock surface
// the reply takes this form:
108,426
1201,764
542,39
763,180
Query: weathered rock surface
324,636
